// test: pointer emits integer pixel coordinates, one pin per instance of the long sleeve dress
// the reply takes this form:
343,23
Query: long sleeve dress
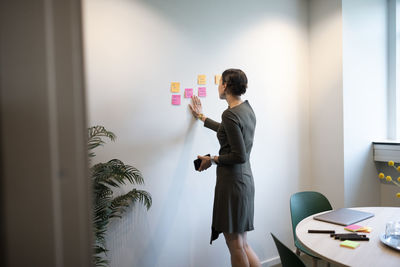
233,210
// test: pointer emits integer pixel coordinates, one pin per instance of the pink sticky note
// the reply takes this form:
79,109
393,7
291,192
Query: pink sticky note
202,91
176,99
188,92
353,227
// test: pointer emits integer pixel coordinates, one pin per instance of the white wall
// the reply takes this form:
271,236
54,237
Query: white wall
365,88
134,49
326,99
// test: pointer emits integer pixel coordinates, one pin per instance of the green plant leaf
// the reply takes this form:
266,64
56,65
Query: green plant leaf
116,173
120,203
95,135
113,173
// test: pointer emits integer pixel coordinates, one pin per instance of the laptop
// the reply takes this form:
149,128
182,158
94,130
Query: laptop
344,216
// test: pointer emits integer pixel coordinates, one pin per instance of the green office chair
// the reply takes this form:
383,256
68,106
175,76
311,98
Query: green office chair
302,205
288,257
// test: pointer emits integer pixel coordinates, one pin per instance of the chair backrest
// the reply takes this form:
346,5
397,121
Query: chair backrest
288,257
304,204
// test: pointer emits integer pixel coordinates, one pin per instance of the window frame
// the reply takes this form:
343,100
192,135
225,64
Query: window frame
393,69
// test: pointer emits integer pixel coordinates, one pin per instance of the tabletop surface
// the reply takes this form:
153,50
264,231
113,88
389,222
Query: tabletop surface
369,253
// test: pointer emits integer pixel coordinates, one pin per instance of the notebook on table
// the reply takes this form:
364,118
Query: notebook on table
344,216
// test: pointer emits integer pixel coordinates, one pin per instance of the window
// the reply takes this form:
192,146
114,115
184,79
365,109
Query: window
394,68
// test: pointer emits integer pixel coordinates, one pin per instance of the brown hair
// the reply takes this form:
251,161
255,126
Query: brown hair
235,80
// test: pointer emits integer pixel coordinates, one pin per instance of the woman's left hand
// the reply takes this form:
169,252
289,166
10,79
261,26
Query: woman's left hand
205,163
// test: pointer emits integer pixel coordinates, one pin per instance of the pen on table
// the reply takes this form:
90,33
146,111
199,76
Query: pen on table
337,236
360,238
321,231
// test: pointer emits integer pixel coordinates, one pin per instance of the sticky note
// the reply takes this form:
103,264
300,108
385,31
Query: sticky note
201,79
217,78
188,92
358,228
349,244
175,87
202,91
365,229
353,227
176,99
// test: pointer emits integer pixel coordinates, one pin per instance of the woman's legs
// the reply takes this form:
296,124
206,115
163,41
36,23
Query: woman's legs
242,255
235,243
251,255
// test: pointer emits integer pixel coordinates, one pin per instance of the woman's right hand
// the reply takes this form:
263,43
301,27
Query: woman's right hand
205,163
195,107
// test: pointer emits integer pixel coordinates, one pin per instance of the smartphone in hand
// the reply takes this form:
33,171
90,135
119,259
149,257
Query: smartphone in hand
197,162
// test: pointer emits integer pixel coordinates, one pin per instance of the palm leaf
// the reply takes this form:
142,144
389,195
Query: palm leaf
116,173
113,173
120,203
98,260
95,135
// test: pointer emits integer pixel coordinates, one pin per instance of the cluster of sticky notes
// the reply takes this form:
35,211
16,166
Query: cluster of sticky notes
201,80
176,88
358,228
189,92
349,244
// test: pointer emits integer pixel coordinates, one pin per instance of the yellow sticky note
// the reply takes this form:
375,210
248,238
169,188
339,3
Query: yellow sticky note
175,87
217,78
349,244
365,229
201,79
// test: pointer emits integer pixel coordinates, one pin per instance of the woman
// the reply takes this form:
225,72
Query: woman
234,191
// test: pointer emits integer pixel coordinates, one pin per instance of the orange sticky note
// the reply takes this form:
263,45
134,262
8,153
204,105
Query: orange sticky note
349,244
201,79
217,78
175,87
365,229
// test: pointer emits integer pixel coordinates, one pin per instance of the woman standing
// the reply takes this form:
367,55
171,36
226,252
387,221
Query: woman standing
233,210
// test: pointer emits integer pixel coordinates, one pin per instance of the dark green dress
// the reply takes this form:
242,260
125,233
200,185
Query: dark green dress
233,210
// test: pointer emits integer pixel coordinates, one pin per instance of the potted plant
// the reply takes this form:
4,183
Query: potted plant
105,177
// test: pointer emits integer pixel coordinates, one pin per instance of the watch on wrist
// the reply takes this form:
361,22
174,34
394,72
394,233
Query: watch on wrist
213,160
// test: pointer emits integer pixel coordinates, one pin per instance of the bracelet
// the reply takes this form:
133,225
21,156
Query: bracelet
213,160
200,116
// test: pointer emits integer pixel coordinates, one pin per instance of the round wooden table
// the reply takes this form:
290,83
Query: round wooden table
370,253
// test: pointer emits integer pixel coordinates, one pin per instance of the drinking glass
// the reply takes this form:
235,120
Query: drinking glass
392,229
